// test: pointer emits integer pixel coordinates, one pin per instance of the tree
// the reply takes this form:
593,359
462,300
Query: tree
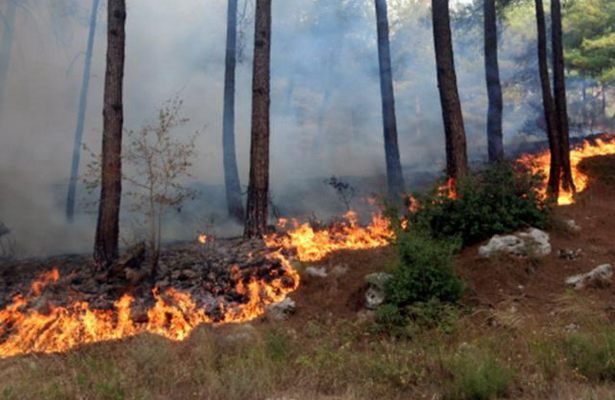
559,91
456,155
548,102
231,173
258,189
494,87
395,179
158,163
83,101
6,46
107,227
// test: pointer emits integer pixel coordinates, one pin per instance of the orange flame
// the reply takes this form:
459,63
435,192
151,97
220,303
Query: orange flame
203,238
174,315
540,163
314,245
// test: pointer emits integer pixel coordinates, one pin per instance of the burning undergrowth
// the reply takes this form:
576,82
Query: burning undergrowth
221,282
593,146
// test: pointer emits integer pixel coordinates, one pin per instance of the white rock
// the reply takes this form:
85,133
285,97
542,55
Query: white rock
572,225
316,272
375,293
532,242
374,297
602,274
282,310
339,270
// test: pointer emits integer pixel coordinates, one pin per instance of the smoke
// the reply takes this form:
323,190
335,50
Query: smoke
326,116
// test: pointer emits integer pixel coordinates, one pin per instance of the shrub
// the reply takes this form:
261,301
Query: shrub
500,199
592,355
476,375
424,271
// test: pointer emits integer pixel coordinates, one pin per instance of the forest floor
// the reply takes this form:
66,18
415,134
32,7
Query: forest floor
520,331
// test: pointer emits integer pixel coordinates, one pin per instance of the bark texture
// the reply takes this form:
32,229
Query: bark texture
494,86
107,228
258,189
231,173
83,104
395,178
548,102
456,154
559,89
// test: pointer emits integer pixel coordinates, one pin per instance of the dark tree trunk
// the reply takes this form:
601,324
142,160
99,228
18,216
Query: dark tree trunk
494,87
548,103
107,229
559,90
395,179
258,189
456,155
231,173
6,47
83,103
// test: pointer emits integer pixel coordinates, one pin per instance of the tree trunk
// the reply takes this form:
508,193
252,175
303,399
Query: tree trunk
231,173
83,102
494,87
456,156
395,179
107,229
258,189
559,90
548,103
6,47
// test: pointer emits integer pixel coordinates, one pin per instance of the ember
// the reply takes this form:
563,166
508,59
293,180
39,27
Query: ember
539,163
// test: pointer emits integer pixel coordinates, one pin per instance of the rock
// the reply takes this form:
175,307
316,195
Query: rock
339,270
378,279
532,242
599,276
568,254
571,328
375,293
282,310
315,272
241,333
571,225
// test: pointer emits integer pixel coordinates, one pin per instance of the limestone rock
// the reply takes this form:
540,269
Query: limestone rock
375,293
532,242
601,275
282,310
316,272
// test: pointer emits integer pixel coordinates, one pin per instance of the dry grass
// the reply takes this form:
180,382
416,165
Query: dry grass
345,361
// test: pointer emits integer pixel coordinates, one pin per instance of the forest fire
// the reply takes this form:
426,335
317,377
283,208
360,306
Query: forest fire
174,314
313,245
539,163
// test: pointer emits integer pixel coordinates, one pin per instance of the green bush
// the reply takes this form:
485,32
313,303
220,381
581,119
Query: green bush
424,271
592,355
476,375
500,199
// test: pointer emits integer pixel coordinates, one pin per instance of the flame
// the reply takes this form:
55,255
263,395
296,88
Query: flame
448,190
203,238
174,314
540,163
314,245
